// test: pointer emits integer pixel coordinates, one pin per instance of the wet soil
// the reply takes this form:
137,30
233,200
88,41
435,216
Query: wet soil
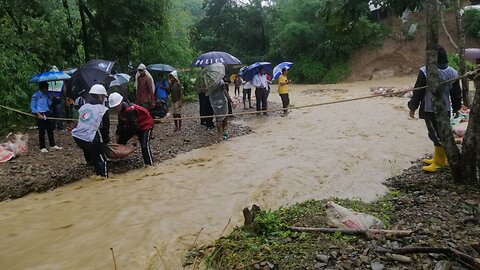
439,212
39,172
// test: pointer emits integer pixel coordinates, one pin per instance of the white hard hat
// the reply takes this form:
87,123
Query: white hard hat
98,89
114,100
141,67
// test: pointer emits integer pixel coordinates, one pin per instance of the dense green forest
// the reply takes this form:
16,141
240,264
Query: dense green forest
318,35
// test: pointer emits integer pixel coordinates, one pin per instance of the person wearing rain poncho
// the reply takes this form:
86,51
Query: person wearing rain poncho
145,88
219,97
452,94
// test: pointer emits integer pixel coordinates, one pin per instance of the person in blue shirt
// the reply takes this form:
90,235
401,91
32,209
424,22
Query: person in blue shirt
161,88
40,106
161,97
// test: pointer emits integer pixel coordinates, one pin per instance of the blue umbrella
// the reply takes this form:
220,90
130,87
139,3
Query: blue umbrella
249,72
49,77
215,57
277,71
159,68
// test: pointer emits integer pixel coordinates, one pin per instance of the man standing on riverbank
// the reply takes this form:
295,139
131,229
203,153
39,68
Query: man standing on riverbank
452,94
176,90
145,88
283,83
40,106
261,89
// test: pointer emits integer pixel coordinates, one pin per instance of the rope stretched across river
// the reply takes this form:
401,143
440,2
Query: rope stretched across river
168,119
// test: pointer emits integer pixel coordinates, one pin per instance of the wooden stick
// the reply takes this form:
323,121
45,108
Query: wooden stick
114,262
225,228
161,258
400,233
196,238
195,241
472,261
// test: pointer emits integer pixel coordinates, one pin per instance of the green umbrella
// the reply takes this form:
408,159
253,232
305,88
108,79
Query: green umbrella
210,77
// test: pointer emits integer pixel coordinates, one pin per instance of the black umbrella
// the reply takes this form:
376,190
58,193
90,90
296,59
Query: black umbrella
93,72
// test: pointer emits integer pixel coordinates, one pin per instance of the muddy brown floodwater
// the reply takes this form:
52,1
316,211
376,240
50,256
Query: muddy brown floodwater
343,150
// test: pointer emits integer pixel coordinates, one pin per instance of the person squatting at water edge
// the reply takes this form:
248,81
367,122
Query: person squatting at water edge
133,121
452,94
92,132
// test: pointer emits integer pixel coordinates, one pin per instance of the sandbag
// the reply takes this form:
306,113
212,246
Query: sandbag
341,217
460,129
118,150
15,147
5,155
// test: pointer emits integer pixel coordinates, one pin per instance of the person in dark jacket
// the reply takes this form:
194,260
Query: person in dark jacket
92,132
133,121
452,94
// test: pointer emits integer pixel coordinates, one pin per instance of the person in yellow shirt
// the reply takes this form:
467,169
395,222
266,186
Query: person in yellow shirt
283,82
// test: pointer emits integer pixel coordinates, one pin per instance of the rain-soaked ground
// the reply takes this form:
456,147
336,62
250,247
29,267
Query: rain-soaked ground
343,150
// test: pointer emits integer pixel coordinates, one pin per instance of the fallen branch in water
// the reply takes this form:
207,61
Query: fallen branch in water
465,258
114,262
369,233
161,258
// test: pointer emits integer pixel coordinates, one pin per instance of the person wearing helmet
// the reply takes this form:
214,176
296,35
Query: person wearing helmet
92,131
133,121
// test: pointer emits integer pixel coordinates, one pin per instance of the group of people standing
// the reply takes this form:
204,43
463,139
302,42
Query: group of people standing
136,120
219,102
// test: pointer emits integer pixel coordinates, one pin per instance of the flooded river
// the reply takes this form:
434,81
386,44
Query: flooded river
343,150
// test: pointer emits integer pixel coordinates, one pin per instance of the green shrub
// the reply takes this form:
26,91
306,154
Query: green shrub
337,72
454,62
472,23
308,70
187,77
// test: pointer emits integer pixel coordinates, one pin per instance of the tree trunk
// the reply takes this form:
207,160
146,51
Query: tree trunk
470,151
442,119
461,54
81,7
67,12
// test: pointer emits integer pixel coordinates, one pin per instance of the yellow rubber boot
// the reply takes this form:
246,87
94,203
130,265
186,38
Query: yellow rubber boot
439,160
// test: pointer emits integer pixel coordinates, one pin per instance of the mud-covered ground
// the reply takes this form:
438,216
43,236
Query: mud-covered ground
439,213
38,172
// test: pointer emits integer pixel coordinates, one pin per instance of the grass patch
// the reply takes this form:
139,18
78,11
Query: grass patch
268,239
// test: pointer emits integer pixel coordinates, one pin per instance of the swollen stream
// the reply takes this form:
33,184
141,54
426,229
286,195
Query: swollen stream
343,150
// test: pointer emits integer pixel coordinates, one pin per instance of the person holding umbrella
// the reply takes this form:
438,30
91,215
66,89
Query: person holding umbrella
145,88
40,107
283,83
176,90
133,121
261,89
92,132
